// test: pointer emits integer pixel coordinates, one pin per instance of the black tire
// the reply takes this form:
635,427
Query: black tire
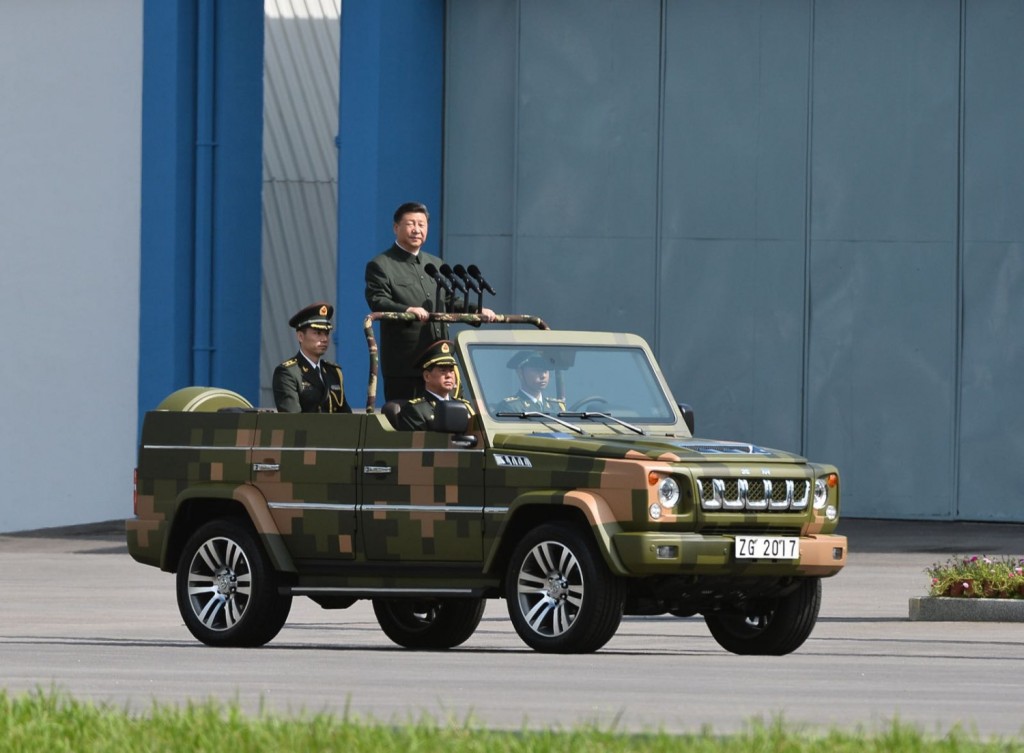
779,630
429,623
228,589
562,598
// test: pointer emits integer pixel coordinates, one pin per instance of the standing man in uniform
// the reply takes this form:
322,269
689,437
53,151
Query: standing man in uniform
308,383
437,369
534,371
395,281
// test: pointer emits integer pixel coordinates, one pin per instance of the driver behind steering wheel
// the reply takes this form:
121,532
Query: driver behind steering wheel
534,371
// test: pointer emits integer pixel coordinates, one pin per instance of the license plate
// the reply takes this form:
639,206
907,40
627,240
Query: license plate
767,548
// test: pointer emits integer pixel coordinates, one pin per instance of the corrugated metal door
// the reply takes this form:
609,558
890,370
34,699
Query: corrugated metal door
300,170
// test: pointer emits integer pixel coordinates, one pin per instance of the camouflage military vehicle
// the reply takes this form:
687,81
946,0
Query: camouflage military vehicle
604,507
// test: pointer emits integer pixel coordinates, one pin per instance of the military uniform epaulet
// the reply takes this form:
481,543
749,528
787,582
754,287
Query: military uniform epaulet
416,400
290,362
511,399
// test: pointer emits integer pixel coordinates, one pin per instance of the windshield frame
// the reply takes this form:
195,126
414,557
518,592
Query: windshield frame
485,354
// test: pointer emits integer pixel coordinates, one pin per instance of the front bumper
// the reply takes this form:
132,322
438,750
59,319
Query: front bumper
646,553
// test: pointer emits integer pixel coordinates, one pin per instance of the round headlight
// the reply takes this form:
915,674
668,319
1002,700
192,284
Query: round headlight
655,511
820,493
668,492
831,513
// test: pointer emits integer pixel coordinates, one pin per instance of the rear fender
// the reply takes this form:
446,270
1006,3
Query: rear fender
248,501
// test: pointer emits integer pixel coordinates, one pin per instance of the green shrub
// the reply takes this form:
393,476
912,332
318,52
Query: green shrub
978,577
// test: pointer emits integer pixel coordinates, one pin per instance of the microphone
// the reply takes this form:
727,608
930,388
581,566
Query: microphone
442,282
475,272
450,276
470,282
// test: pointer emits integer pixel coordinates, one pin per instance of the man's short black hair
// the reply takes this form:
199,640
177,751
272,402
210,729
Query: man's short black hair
410,207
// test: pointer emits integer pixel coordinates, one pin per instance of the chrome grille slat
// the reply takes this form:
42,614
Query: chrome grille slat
754,494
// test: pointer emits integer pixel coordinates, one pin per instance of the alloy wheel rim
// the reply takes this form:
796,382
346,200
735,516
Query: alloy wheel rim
219,584
550,589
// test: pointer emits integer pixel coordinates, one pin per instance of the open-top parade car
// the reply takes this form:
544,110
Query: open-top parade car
596,503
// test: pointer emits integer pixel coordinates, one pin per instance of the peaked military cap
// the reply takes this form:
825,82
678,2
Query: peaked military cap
437,354
316,315
530,358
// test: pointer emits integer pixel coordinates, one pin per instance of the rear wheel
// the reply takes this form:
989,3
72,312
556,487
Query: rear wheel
429,623
777,629
561,596
227,587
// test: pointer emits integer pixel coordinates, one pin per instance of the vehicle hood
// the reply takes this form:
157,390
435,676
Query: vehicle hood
665,449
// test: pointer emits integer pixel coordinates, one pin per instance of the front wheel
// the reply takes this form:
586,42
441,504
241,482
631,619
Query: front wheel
561,596
429,623
774,630
227,587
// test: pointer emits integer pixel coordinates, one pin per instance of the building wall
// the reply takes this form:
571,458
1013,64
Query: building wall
69,245
809,207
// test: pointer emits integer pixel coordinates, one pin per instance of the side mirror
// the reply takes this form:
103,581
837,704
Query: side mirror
687,412
452,417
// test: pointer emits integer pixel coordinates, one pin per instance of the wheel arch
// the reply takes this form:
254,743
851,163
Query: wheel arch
584,508
199,505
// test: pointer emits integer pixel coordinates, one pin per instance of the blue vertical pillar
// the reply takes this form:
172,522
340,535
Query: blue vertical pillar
168,199
201,207
237,198
390,146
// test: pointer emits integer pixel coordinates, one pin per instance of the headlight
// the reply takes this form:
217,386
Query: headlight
668,492
821,487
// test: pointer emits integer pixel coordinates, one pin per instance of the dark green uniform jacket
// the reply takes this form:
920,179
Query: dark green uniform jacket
521,402
299,389
418,413
395,280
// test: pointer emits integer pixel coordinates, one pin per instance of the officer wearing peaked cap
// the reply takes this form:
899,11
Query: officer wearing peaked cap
534,371
309,383
437,364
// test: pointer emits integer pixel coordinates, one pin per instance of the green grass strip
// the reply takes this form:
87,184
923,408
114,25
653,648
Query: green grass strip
49,722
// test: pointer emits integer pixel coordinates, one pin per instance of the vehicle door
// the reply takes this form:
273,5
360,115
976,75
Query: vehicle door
422,496
305,466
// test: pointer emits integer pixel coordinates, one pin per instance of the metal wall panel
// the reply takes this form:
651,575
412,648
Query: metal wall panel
735,113
885,103
300,175
480,136
883,317
992,401
587,119
838,239
732,336
587,140
881,367
553,155
734,192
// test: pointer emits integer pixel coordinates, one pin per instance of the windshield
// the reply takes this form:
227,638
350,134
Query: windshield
618,381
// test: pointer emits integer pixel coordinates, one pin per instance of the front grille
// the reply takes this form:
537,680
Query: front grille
754,494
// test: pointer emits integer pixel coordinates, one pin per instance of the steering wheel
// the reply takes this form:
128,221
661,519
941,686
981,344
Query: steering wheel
594,400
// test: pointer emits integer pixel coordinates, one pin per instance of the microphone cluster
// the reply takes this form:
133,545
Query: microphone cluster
464,279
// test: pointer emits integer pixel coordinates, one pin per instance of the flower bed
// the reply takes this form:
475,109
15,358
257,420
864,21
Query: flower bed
978,577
